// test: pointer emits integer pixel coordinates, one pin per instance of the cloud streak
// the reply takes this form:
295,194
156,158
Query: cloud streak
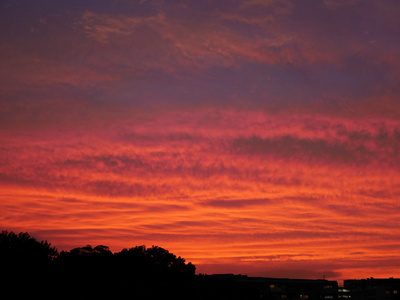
257,137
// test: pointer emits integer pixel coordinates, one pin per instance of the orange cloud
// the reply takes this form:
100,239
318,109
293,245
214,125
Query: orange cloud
254,193
256,137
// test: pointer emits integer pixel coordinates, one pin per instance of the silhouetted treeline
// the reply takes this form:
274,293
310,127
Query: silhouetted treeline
35,268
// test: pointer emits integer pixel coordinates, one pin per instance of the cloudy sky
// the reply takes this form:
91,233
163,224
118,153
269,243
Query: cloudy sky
259,137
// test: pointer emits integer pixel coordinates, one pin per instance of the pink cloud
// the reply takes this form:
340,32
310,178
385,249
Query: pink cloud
134,129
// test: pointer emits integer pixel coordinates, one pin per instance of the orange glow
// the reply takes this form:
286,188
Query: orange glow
252,137
220,202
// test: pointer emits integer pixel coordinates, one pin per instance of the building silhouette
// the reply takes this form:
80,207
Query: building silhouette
284,288
374,289
344,293
311,289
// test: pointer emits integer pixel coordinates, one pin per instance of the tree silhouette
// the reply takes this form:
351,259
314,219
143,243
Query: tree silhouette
154,260
25,262
32,268
139,271
22,249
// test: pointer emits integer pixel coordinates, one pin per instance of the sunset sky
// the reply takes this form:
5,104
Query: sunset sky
257,137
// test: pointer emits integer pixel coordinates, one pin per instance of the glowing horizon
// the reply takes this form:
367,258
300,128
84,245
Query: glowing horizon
251,137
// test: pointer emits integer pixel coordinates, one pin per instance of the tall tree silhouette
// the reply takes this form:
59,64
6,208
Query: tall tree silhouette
23,251
25,262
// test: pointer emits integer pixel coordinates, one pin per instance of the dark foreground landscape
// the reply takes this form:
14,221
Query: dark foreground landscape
31,268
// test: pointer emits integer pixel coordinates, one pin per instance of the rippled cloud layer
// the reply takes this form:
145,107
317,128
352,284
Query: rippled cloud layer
253,137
